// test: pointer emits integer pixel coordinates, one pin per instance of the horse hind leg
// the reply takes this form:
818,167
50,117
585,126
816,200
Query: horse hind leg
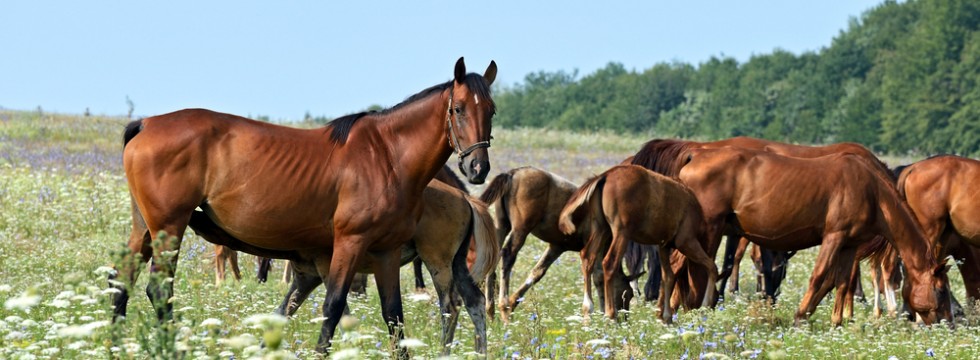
550,255
127,269
473,298
300,287
508,256
442,281
690,247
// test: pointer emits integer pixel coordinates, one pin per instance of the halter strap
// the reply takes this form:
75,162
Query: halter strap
454,136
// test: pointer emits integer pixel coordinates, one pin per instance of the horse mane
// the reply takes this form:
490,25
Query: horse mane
660,155
340,128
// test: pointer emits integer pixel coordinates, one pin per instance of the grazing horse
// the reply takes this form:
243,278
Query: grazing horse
442,240
666,156
630,203
944,194
836,201
528,200
336,197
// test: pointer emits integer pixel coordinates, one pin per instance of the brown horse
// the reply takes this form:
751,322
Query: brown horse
630,203
667,157
442,241
944,194
836,201
335,197
528,200
223,255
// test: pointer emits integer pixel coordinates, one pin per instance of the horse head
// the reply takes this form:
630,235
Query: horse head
468,120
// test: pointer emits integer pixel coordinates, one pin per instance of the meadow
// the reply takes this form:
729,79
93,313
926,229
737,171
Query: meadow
64,220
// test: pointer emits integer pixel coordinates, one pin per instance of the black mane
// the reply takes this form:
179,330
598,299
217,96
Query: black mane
340,128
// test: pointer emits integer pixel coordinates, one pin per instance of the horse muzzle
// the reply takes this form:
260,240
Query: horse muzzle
475,167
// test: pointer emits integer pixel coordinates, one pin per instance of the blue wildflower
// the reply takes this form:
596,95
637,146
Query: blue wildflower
930,352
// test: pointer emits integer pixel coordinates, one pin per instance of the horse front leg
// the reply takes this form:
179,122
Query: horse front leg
337,272
844,275
667,289
419,278
819,286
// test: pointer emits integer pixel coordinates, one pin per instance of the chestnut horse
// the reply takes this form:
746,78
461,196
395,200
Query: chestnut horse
836,201
666,157
528,200
442,240
944,194
336,197
630,203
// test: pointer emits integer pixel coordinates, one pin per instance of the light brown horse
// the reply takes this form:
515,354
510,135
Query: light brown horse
528,200
442,241
944,194
335,197
836,201
630,203
223,255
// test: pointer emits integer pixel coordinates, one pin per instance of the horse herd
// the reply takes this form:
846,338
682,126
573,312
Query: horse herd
348,198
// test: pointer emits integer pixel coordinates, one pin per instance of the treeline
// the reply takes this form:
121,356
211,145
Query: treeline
901,79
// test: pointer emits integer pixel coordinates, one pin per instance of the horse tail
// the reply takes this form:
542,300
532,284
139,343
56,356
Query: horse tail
634,257
484,237
132,129
499,186
575,209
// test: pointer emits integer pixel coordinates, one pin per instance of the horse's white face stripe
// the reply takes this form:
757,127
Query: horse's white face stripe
476,98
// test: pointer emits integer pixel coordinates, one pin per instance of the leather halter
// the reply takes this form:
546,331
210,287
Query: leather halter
452,133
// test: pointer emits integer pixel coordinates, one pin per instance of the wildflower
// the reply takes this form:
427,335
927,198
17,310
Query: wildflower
238,342
58,303
574,318
411,343
104,271
420,297
595,342
930,352
667,336
211,322
4,288
25,301
80,331
350,353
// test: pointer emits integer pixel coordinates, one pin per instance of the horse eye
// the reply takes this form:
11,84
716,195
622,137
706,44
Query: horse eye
457,109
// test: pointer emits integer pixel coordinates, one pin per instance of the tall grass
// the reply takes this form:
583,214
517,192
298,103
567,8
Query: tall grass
64,217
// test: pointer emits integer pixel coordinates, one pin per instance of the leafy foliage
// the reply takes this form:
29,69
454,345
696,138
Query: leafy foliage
901,79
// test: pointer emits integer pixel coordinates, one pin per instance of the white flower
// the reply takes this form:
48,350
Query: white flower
351,353
266,320
411,343
595,342
420,297
77,345
4,288
238,342
24,302
80,331
105,271
58,303
211,322
574,318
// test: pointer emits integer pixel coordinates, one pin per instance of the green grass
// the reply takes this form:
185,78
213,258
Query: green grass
64,213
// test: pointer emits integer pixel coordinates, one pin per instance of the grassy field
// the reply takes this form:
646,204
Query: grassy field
64,217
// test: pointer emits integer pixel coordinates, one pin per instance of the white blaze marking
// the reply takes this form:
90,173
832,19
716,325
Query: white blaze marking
476,98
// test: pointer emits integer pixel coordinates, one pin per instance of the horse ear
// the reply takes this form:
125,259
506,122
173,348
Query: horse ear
460,70
491,73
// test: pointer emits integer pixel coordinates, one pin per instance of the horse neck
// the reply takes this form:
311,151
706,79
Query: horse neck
910,241
418,137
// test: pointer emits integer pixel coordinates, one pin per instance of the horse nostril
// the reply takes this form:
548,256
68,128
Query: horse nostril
476,166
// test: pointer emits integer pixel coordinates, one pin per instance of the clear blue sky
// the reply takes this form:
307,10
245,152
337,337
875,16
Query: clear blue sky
286,58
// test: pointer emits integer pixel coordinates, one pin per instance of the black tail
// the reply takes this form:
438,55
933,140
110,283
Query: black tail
132,129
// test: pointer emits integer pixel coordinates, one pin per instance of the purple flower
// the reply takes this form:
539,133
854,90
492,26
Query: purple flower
930,352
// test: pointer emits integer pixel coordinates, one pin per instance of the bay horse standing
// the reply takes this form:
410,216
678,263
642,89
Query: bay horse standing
631,203
835,201
944,194
335,197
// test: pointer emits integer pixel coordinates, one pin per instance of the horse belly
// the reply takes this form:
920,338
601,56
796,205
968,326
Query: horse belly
798,239
272,232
